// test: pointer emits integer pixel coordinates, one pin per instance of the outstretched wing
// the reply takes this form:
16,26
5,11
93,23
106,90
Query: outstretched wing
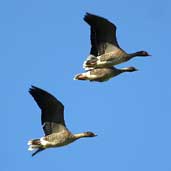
52,110
103,34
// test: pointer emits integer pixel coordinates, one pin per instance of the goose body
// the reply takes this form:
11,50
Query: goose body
105,50
102,74
106,60
52,119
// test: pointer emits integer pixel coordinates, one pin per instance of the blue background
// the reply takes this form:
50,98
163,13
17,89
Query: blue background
44,43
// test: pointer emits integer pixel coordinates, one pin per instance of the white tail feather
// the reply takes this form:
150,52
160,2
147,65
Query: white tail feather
87,68
75,77
43,142
82,76
89,58
37,143
30,148
33,147
29,142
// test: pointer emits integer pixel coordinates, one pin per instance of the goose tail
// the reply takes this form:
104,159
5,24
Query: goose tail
90,62
81,76
34,144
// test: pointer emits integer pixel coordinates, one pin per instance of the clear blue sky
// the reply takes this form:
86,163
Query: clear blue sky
44,43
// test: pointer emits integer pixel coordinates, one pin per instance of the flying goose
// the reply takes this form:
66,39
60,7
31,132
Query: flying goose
52,119
102,74
105,50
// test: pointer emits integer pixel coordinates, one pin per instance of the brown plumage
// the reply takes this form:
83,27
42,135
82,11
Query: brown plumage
105,50
53,123
102,74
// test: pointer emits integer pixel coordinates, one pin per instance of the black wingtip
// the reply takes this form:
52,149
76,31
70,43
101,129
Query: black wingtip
33,88
87,15
35,91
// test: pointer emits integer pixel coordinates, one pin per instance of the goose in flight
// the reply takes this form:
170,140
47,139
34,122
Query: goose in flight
53,123
105,50
102,74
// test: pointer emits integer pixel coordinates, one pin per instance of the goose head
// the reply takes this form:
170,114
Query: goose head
128,69
142,53
89,134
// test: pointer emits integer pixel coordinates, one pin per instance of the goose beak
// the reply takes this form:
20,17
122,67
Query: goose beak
95,135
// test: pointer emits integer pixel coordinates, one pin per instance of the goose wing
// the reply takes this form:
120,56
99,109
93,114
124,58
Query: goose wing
52,110
103,34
